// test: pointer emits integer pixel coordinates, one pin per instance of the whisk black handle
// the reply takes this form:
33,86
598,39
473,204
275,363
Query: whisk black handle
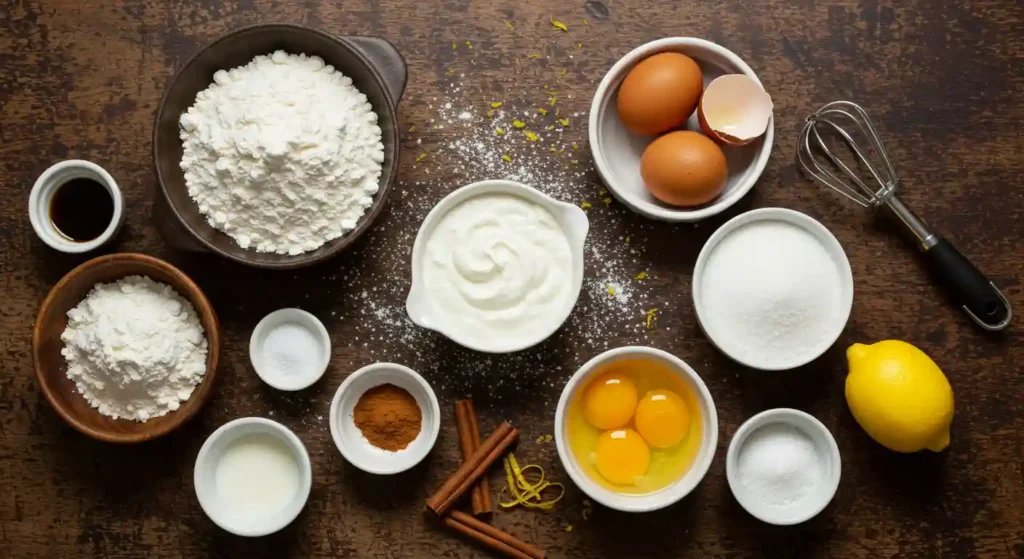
968,287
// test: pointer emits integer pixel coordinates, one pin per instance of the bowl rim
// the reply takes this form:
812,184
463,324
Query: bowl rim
812,226
189,408
605,89
672,493
47,185
572,219
306,319
365,222
434,411
298,450
798,419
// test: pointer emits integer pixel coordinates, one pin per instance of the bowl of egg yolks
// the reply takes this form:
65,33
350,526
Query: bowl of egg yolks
636,429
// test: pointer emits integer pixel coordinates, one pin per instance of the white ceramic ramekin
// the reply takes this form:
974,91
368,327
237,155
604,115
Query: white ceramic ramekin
42,193
570,218
658,499
301,318
832,246
825,446
204,478
351,442
617,151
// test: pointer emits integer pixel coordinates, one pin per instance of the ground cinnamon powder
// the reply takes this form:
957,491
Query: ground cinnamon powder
388,416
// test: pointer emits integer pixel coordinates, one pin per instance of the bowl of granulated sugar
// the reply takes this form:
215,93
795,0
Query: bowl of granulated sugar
772,289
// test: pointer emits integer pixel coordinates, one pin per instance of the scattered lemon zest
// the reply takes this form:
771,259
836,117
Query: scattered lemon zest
531,136
547,438
651,318
587,509
518,124
549,127
579,46
552,101
412,128
540,439
641,276
559,25
586,205
553,149
601,192
568,527
490,113
585,21
563,121
506,158
545,86
563,72
542,111
421,157
574,161
558,110
525,492
611,291
454,46
576,148
496,104
499,131
533,55
607,201
509,25
627,239
469,45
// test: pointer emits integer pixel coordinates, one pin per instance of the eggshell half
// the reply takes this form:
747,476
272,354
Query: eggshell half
734,110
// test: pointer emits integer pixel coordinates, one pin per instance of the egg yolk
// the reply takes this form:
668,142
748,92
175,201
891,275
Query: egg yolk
621,456
662,418
610,401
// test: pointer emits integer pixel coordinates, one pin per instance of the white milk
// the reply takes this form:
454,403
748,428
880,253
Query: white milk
257,475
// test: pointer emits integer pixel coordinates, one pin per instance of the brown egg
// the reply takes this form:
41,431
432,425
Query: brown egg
684,168
659,93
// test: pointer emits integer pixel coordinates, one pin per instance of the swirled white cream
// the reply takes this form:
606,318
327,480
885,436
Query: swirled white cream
497,269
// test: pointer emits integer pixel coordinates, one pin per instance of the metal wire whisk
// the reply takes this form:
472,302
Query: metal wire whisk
867,176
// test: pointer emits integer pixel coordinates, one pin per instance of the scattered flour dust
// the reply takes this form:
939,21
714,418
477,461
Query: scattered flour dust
135,348
283,154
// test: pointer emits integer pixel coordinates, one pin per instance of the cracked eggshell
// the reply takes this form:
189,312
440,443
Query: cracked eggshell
734,110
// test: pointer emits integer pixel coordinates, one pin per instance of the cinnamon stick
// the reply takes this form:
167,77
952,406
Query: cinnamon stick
475,466
491,537
469,440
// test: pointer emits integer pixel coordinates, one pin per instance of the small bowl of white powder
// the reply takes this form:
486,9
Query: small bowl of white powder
783,466
773,289
290,349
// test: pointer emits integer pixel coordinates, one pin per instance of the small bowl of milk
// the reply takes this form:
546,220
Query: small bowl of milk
252,476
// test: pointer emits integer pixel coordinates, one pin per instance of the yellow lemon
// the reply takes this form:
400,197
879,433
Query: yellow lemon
899,396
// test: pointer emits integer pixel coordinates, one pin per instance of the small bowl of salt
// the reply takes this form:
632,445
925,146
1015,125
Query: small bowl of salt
783,466
290,349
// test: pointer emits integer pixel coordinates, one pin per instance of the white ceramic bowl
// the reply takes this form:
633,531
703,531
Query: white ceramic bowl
44,189
221,511
832,246
617,151
658,499
570,217
300,318
825,445
351,442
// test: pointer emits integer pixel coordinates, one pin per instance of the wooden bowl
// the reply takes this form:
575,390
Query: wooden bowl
377,69
51,367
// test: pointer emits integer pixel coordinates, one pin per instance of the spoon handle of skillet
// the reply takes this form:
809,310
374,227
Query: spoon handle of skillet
968,287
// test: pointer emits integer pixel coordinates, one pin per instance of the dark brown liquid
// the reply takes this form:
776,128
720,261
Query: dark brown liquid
81,209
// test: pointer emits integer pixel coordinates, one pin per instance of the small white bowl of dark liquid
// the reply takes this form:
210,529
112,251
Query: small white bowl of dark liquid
76,206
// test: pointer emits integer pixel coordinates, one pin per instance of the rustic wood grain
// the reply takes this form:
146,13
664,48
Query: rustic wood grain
944,80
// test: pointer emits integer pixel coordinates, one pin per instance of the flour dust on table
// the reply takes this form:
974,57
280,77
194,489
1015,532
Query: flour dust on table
135,348
283,154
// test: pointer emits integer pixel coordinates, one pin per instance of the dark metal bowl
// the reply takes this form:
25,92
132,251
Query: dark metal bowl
377,70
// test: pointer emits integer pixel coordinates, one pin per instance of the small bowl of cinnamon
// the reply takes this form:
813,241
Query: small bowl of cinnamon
385,418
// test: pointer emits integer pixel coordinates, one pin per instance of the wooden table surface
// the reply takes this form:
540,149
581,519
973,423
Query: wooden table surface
943,79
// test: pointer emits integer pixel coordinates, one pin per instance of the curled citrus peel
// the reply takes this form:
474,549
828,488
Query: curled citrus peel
525,492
